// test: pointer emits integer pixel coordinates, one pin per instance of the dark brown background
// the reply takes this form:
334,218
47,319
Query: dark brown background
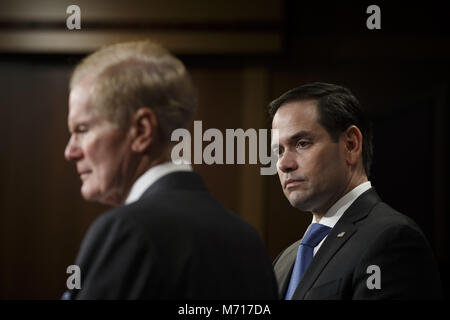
399,73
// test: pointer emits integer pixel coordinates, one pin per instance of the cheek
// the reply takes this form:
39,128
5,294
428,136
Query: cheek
311,164
93,155
109,161
100,150
98,159
280,173
320,164
331,165
90,152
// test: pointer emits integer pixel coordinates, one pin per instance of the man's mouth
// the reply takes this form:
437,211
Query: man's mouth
84,174
290,183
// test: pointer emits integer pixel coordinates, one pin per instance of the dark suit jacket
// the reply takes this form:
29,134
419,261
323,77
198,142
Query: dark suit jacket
176,242
374,234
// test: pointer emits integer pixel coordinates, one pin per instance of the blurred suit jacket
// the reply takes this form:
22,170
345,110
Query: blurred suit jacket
175,242
369,233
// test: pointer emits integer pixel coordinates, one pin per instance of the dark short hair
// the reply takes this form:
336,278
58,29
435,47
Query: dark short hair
337,109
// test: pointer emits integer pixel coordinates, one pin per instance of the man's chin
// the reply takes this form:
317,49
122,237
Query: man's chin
300,203
88,197
89,194
99,198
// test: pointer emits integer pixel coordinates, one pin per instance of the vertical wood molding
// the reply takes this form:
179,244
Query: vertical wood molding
252,187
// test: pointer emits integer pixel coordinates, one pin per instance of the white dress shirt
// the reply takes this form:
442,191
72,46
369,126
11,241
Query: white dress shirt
337,210
150,176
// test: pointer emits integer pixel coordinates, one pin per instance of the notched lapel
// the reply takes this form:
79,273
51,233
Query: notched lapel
326,252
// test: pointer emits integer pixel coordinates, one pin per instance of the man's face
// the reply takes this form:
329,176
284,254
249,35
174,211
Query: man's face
311,167
100,149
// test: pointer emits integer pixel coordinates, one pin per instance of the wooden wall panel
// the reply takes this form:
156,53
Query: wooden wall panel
184,27
43,217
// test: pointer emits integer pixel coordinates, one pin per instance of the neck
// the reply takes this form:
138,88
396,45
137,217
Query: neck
142,165
352,184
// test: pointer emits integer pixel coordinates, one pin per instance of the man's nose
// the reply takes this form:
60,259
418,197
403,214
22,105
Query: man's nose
287,162
72,151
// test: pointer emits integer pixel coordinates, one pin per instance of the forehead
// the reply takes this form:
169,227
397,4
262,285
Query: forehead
296,116
80,105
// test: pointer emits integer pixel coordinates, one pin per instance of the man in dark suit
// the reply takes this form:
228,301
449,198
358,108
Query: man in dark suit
356,247
167,237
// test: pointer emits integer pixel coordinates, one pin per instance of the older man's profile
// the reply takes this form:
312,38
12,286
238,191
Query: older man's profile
167,237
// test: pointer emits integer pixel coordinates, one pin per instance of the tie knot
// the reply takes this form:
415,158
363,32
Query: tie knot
316,232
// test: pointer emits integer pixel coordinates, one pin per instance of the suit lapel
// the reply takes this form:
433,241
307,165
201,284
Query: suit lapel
338,236
326,252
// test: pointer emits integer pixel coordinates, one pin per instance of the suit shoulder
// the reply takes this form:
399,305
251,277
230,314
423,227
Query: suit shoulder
115,222
383,216
287,253
385,225
100,224
108,218
193,214
292,248
188,208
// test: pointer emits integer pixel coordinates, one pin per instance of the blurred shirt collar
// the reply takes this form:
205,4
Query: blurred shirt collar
150,177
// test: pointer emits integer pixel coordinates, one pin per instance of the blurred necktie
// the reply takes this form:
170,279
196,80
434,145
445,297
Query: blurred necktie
316,232
66,296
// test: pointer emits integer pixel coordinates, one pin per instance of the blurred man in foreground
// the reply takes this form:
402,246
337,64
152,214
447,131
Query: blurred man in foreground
167,237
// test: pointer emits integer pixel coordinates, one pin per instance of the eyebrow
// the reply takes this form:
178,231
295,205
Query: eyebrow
300,135
297,136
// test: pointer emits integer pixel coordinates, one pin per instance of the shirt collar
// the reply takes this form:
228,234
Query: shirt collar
150,176
337,210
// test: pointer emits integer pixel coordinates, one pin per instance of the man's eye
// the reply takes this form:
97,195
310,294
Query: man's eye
81,129
302,144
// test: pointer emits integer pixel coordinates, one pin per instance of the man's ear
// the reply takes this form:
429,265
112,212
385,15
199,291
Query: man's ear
353,141
145,125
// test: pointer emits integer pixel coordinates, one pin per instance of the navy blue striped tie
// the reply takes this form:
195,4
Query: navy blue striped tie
316,232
